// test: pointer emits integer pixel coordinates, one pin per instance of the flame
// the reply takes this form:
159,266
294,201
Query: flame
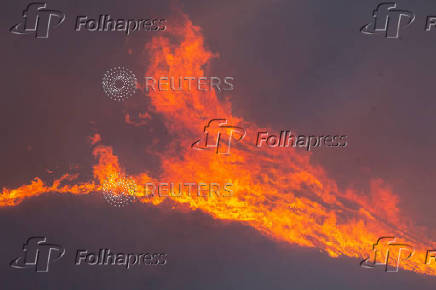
278,192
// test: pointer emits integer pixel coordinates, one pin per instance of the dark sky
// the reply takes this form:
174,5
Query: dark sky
297,64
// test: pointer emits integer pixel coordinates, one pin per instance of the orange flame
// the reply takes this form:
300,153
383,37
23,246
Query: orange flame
279,193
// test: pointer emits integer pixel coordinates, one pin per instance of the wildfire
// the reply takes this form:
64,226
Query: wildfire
277,192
